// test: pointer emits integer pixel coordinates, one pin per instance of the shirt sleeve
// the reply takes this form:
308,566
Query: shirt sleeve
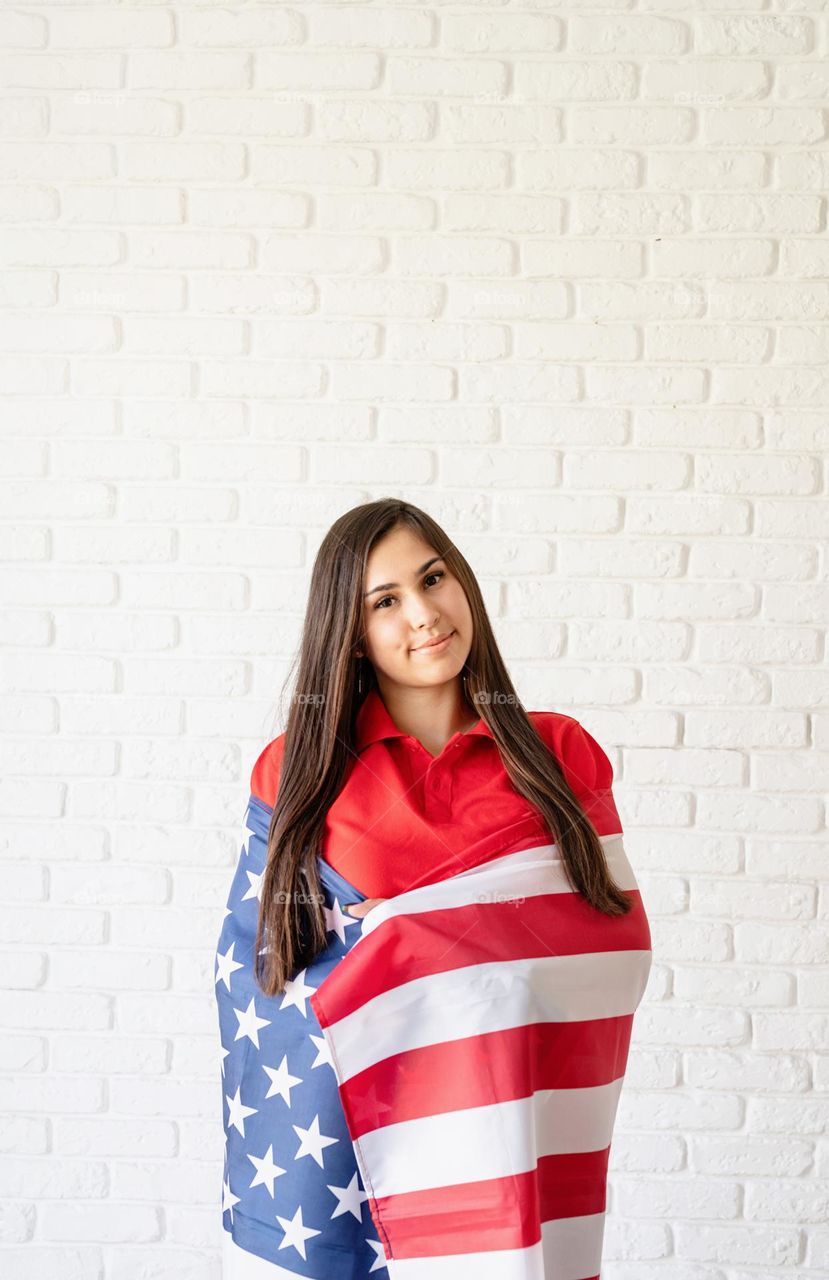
587,770
264,779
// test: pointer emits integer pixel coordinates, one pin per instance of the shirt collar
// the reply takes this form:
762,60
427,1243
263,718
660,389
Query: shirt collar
373,723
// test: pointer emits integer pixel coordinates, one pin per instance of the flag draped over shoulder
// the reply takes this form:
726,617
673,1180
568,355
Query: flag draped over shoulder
434,1097
292,1200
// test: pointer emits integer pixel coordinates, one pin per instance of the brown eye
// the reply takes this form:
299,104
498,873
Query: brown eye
435,573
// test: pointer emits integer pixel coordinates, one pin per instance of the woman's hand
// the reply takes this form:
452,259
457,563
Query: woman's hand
361,908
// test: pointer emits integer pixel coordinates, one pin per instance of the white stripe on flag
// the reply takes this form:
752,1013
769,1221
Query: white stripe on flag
476,999
525,874
501,1264
494,1141
570,1249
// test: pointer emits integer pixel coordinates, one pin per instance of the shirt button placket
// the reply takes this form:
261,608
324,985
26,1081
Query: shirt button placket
439,792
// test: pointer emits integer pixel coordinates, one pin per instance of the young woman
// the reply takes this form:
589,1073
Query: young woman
440,1098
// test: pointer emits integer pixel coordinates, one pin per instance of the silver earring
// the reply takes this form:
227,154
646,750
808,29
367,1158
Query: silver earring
359,675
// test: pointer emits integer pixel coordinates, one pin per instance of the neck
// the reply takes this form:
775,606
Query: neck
432,715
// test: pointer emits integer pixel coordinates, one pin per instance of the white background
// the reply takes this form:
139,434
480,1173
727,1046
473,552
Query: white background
559,275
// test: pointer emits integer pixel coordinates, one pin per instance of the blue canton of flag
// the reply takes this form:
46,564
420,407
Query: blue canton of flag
292,1193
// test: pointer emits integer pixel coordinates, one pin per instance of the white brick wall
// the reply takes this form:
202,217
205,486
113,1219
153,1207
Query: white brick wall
559,274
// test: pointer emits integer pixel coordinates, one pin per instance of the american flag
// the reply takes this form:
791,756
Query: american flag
476,1034
293,1203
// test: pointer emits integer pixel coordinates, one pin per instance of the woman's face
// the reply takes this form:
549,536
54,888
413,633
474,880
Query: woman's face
408,602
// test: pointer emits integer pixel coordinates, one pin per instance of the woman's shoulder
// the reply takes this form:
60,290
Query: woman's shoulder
572,743
264,778
585,764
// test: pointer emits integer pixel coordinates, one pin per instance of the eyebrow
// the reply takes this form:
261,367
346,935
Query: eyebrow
387,586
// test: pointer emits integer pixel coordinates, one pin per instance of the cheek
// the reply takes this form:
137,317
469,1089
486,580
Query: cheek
381,628
459,605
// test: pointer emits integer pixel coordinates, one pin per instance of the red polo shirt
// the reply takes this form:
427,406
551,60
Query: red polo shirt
404,818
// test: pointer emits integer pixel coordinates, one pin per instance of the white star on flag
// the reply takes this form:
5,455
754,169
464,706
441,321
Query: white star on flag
323,1052
266,1170
236,1111
228,1199
336,921
223,1053
380,1261
255,889
311,1141
350,1199
296,1233
249,1024
226,965
297,992
282,1082
247,832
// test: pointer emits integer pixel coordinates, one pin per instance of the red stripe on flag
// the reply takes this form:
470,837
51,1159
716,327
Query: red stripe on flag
495,1066
419,944
497,1213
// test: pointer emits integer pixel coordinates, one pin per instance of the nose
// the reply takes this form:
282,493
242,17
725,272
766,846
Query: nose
422,615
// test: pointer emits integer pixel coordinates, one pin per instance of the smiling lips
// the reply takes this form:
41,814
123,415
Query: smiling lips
435,646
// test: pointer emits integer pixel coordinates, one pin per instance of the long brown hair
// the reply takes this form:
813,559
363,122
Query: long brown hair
319,738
